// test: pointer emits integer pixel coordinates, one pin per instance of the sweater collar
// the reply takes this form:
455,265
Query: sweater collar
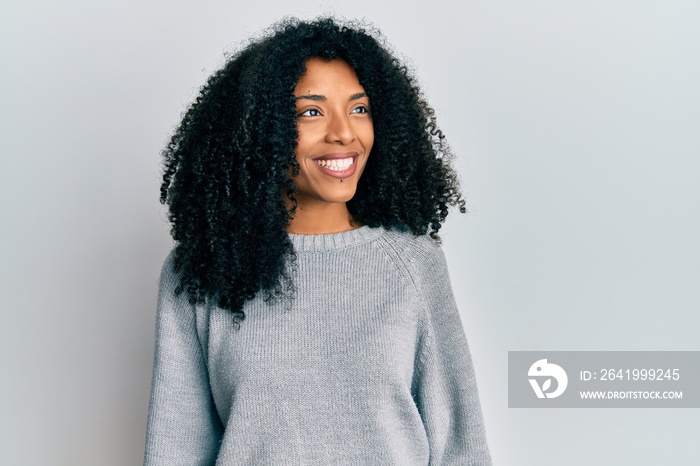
334,241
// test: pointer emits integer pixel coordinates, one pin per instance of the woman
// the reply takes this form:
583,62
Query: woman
305,315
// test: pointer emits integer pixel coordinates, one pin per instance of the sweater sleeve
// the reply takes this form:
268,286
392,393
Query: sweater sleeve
183,426
444,380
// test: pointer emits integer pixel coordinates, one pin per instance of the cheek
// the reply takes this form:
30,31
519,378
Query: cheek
305,141
301,142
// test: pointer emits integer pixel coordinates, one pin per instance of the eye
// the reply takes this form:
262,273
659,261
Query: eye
312,112
360,109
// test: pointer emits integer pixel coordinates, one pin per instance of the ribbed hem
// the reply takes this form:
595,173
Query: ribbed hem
334,241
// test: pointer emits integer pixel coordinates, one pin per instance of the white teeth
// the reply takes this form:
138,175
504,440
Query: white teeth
337,165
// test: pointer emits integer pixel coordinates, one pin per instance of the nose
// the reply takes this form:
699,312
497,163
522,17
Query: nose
340,130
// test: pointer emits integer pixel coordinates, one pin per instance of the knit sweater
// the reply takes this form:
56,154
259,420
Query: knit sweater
367,364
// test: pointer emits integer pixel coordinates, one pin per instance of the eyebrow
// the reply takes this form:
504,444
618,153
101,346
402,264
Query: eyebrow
322,98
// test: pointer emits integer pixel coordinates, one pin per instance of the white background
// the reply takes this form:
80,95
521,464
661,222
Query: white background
577,127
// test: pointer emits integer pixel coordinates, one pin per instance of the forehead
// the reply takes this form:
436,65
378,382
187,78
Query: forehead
328,77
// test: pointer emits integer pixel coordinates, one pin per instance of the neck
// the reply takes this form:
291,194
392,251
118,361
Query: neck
321,218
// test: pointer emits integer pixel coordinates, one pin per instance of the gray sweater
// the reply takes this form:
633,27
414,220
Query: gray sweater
367,364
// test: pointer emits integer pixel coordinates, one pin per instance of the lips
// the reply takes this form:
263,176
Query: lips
337,165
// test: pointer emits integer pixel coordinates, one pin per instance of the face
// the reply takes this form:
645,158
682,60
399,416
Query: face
335,132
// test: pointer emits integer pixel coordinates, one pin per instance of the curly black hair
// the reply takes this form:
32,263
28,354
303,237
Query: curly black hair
227,165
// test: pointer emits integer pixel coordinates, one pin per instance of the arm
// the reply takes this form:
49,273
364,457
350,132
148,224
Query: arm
444,380
183,426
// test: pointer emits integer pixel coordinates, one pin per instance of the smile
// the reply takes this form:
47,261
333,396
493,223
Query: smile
338,165
335,165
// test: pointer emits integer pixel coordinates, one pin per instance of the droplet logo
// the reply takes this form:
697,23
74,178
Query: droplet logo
542,370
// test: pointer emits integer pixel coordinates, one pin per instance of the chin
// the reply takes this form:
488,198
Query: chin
336,194
340,197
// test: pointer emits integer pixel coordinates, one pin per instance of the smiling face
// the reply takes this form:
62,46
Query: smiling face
335,133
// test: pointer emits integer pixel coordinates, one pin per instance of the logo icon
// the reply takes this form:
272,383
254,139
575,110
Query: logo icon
544,370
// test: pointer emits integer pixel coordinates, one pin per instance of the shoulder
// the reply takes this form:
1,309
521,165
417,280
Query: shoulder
169,277
408,243
420,256
419,251
170,292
